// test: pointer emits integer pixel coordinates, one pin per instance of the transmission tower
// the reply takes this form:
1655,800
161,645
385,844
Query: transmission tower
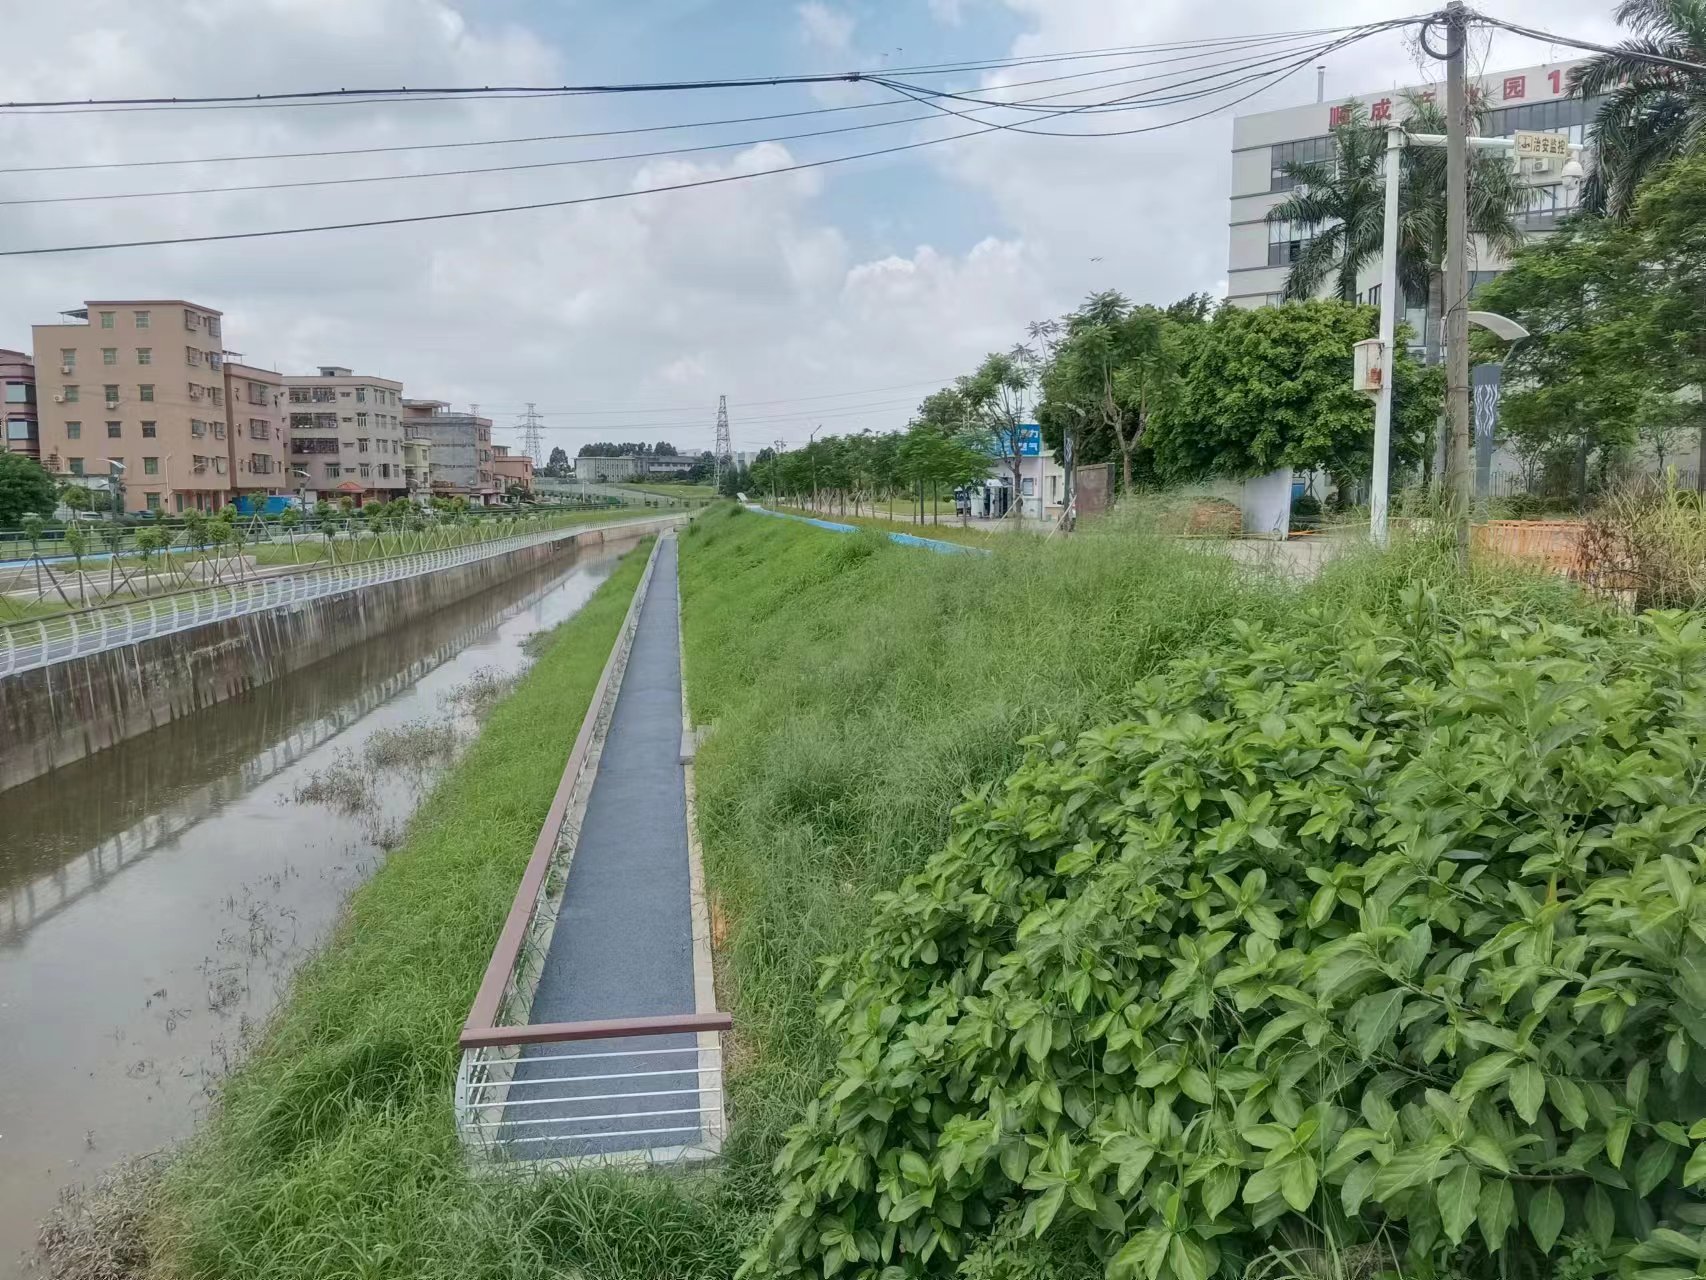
725,451
530,435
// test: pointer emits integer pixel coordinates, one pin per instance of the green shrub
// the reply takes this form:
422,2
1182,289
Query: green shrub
1390,950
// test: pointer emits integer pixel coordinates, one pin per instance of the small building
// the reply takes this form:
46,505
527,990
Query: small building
18,395
417,462
258,447
461,449
513,471
346,434
598,470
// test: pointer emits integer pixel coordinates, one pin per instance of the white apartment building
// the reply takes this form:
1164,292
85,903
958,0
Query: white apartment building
1529,98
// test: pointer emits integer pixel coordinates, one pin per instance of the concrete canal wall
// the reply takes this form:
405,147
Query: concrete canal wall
53,715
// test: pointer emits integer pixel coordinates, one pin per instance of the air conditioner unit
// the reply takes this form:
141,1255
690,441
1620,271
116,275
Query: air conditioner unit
1540,164
67,368
59,399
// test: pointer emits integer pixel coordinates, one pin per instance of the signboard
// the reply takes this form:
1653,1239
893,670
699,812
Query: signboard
1485,379
1030,440
1531,145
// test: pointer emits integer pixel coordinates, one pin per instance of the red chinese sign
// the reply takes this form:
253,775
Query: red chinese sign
1516,87
1337,116
1382,110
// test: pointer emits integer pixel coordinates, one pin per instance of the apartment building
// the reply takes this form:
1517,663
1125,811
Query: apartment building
256,421
346,435
18,403
1265,142
417,461
512,470
461,449
132,392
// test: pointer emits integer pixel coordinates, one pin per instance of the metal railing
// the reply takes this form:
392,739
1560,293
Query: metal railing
517,1097
27,645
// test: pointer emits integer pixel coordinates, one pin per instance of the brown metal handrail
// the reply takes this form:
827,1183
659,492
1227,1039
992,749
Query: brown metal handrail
593,1029
481,1030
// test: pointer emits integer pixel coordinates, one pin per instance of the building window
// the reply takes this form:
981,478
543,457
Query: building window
333,471
195,392
109,355
67,359
152,499
1304,151
145,355
366,470
325,395
218,430
189,319
111,390
361,444
216,394
1286,241
299,395
20,393
114,430
215,360
148,431
75,466
107,319
361,395
198,427
260,463
361,420
20,429
142,319
384,470
145,392
151,466
257,393
192,356
73,430
69,393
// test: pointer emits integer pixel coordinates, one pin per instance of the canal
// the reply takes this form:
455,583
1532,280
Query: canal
155,898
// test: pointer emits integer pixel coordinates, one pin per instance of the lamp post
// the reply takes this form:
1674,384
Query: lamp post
115,486
1396,140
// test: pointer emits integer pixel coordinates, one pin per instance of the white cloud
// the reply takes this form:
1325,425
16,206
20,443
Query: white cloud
947,11
825,26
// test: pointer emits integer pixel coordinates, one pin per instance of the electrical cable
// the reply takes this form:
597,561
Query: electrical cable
605,197
632,155
734,404
403,93
1633,54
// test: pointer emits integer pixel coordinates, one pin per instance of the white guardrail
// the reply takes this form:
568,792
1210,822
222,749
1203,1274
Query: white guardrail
27,645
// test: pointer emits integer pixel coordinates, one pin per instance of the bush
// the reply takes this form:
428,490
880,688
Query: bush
1390,950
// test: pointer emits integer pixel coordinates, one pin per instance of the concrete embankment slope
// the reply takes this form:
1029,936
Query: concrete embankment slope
54,714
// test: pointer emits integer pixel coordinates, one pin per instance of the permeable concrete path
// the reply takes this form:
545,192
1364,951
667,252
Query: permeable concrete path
623,946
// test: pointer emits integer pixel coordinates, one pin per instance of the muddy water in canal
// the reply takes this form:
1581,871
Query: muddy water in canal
155,898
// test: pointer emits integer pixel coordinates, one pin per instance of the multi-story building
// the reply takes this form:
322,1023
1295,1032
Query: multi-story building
346,434
133,392
255,422
596,469
417,461
512,470
18,403
461,449
1263,143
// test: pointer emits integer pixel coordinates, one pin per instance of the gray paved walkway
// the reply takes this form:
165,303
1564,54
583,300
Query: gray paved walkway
623,945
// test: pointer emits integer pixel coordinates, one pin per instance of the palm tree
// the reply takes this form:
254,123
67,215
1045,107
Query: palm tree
1343,201
1346,201
1495,195
1649,114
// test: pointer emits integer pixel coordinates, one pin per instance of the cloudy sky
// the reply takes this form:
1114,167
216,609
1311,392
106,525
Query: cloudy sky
839,294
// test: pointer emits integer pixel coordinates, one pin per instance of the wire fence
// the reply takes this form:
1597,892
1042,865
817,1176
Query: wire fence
26,645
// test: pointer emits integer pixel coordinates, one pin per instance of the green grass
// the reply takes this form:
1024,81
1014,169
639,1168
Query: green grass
333,1151
674,490
857,688
943,532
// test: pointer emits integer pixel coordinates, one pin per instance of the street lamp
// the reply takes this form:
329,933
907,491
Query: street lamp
1396,139
115,483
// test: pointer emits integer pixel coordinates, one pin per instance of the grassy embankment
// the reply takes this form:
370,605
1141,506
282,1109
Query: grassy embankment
333,1151
674,490
858,688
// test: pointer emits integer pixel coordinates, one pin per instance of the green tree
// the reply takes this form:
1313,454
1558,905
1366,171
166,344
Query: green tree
25,488
1272,387
996,399
557,464
78,497
1340,203
1649,115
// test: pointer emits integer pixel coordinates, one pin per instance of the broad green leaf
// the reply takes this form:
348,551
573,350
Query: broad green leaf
1142,1255
1653,1166
1497,1212
1527,1090
1373,1021
1297,1181
1545,1215
1459,1199
1567,1097
1483,1073
1695,1170
1187,1258
1219,1189
1485,1148
1358,1180
1601,1215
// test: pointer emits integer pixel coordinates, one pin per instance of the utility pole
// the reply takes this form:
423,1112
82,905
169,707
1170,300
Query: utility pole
530,440
1456,272
775,465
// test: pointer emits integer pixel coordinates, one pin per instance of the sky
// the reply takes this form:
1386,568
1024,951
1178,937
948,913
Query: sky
838,295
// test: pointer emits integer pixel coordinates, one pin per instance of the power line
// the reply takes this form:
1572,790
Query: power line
604,197
359,180
745,404
405,93
1633,53
1241,42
